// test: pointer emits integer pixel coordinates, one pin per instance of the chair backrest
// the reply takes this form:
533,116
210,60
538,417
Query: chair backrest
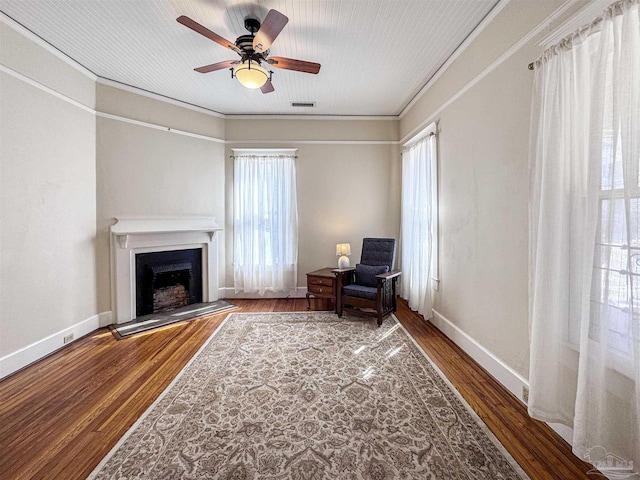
379,251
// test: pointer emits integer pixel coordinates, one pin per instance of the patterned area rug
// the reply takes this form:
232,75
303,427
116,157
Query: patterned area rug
309,396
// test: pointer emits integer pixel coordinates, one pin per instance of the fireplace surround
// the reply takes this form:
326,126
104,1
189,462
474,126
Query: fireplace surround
131,237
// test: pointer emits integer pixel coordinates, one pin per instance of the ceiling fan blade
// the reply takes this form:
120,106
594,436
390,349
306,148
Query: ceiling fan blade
196,27
272,25
267,87
217,66
293,64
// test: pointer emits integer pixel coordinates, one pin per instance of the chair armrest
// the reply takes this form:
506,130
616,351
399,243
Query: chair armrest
389,275
344,276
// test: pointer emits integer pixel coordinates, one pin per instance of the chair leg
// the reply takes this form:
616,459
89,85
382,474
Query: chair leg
380,318
394,295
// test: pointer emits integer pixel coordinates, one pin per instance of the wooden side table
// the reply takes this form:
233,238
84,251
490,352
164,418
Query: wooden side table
322,285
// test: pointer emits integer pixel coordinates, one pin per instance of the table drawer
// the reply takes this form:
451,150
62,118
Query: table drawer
321,281
321,289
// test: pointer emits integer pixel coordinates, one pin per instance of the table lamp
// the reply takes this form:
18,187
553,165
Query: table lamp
342,250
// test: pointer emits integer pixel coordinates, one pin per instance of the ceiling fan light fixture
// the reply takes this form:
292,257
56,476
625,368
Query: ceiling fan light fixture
250,74
253,50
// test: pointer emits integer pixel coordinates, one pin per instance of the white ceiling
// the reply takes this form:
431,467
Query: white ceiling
375,54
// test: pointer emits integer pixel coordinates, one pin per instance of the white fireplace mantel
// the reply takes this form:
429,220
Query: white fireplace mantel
130,236
127,227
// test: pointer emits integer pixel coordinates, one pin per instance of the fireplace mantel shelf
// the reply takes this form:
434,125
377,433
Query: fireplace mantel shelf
126,227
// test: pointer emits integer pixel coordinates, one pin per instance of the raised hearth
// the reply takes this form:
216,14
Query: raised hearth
163,319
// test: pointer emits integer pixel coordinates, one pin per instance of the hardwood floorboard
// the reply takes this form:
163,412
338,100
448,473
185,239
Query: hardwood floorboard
60,416
538,449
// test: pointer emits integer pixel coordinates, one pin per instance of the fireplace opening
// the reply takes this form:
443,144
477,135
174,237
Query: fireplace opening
168,280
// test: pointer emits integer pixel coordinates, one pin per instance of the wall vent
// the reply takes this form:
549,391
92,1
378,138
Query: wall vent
303,104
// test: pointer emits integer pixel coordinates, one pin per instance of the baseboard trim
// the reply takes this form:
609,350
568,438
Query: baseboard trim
503,373
105,319
565,432
32,353
230,292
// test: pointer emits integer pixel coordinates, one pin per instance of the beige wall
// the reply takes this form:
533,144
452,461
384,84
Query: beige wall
345,193
483,183
145,171
47,196
323,131
22,55
343,166
133,106
348,178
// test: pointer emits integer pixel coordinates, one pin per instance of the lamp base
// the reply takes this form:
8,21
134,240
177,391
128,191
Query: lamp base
343,262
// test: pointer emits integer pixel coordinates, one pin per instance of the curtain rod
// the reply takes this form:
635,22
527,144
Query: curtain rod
234,156
567,41
419,136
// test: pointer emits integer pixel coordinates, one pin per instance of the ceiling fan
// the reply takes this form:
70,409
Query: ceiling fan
253,50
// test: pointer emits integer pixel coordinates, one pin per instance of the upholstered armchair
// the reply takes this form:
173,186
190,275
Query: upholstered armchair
369,288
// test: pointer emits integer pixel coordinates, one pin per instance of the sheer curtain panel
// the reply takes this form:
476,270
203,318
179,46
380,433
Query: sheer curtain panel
265,229
585,240
419,222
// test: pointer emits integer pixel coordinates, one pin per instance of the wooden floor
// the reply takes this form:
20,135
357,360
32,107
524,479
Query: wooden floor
62,415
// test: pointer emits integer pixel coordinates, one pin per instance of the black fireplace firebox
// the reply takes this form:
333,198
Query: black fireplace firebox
168,280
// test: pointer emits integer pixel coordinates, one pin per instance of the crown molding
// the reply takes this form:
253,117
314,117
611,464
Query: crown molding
271,116
13,24
311,142
156,96
502,58
582,17
458,51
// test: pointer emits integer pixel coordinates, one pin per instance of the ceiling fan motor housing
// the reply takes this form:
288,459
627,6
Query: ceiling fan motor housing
245,43
252,24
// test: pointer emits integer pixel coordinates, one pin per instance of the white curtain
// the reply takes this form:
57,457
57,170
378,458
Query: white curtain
585,239
419,224
265,229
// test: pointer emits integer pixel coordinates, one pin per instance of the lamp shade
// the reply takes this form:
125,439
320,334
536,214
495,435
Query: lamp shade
250,74
343,249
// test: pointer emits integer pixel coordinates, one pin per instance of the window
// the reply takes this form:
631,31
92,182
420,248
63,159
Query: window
616,269
420,221
265,229
584,288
